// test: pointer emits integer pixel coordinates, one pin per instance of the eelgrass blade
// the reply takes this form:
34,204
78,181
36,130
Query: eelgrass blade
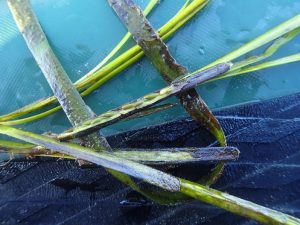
236,205
175,156
291,25
172,25
177,86
261,66
157,52
163,156
257,67
275,46
103,158
148,9
151,110
135,53
183,7
158,178
95,80
31,118
140,114
11,145
243,67
69,98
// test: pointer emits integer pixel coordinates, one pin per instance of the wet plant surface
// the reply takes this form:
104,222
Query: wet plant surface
158,175
43,188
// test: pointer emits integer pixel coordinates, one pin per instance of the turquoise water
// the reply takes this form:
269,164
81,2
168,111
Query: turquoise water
83,33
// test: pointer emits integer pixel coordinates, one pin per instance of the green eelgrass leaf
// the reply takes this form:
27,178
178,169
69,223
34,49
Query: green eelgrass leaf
142,113
289,28
277,62
110,70
267,37
157,178
123,41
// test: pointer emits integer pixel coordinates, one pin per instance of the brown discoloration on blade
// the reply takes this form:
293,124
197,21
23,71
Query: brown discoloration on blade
200,112
182,84
156,50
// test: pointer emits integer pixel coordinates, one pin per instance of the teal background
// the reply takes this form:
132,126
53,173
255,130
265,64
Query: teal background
83,32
